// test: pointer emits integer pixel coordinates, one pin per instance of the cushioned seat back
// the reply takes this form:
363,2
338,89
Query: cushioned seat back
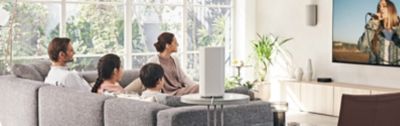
388,110
128,77
65,107
18,101
370,110
357,110
127,112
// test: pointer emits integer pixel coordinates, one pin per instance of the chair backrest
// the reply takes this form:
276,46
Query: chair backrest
370,110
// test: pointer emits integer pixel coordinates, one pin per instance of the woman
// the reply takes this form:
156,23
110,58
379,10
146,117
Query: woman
176,81
109,73
382,35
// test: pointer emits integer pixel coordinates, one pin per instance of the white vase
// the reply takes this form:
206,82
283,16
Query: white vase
309,71
299,74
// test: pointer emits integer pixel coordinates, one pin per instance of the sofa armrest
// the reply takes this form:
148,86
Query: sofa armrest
18,101
257,113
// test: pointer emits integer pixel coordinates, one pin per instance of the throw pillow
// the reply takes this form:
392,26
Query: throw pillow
135,86
42,66
128,77
26,72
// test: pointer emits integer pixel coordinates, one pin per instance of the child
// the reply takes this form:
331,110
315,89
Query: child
109,72
152,77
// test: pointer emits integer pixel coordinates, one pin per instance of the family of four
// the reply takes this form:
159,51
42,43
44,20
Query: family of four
161,76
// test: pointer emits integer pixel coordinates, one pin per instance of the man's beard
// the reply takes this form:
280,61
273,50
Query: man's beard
70,60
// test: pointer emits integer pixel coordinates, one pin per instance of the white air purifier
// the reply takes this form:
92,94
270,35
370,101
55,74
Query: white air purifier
212,72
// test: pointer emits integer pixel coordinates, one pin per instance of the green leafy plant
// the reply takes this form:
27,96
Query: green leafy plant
265,47
236,81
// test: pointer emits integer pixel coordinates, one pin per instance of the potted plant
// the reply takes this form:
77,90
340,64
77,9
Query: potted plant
264,48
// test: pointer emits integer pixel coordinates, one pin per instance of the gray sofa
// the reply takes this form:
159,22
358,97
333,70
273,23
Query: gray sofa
26,101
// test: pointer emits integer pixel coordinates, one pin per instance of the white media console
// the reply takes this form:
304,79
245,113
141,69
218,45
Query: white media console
325,98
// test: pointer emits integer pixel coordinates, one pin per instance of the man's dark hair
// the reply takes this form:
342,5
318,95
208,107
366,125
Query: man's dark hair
56,46
150,74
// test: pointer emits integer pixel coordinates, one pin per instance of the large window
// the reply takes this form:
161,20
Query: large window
98,27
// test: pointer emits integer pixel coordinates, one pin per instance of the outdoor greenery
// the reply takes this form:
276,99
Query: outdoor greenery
97,29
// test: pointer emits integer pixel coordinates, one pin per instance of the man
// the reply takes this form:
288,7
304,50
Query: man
60,53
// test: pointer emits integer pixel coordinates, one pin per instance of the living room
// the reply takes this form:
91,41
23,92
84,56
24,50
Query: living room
233,24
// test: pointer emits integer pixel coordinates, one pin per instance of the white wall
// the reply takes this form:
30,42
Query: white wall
288,18
244,33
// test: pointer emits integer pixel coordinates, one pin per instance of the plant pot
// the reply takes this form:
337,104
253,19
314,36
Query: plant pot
262,90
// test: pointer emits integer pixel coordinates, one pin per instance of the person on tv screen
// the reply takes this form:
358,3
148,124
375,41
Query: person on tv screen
381,36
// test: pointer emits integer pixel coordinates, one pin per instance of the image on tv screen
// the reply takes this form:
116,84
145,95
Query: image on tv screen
366,32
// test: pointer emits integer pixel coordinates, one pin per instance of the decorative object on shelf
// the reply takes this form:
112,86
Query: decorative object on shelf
299,74
309,71
265,47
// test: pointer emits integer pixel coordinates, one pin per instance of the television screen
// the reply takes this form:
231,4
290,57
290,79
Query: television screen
366,32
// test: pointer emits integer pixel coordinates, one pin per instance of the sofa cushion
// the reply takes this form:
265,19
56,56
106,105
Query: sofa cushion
19,101
42,66
66,107
35,71
175,101
135,86
129,76
26,72
126,112
89,76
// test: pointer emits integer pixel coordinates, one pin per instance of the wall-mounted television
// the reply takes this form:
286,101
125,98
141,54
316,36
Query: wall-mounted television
366,32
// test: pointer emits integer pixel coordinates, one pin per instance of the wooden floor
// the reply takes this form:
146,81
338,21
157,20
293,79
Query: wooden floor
308,119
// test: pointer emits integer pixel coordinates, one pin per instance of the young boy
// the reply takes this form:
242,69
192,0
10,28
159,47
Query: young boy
152,76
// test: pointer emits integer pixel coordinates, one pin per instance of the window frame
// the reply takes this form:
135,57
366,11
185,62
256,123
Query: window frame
128,11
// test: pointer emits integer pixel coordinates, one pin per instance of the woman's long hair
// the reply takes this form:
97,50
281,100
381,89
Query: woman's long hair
392,19
105,69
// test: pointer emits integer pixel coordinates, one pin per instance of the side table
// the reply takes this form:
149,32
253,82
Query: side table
227,99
